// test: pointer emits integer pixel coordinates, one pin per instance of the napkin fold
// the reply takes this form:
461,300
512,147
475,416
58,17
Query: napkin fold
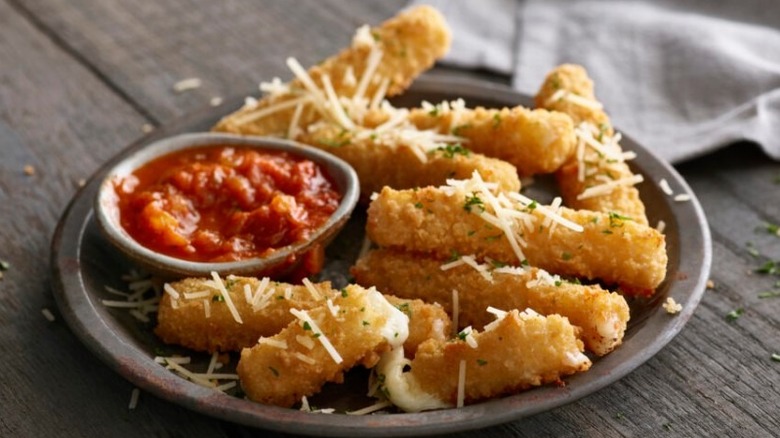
682,77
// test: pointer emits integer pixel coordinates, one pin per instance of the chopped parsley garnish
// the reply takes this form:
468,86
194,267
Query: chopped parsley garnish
457,130
434,112
376,36
532,206
418,205
496,120
752,249
217,299
497,264
558,283
333,143
275,371
769,267
616,220
450,150
734,314
472,201
773,229
481,362
595,219
555,82
454,255
365,323
404,307
524,262
317,335
606,231
566,256
306,326
462,335
344,293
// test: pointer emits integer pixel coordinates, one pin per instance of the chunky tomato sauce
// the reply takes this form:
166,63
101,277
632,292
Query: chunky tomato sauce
224,203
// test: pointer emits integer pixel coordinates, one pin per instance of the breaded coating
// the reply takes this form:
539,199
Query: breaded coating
185,321
408,43
427,320
588,167
440,221
399,165
602,315
534,141
320,345
519,351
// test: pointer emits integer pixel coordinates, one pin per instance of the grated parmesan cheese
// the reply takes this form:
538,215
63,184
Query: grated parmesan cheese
461,383
682,197
304,317
378,406
48,315
671,306
186,85
455,310
220,286
312,289
282,345
607,188
664,185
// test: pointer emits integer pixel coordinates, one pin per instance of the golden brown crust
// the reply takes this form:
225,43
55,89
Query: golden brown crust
273,375
610,248
519,353
602,315
625,199
410,42
534,141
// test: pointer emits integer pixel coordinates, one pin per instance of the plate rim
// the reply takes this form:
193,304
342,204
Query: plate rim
84,320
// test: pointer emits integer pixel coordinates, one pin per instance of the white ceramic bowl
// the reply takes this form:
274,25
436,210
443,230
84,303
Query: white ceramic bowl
107,211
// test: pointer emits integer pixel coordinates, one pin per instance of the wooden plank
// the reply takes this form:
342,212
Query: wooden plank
144,48
56,116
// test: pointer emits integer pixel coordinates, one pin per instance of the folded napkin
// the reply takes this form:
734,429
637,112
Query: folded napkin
682,77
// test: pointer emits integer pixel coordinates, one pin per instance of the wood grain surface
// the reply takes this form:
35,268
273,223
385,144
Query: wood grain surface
79,79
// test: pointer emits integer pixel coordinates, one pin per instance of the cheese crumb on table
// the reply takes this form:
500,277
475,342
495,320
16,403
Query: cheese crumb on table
671,306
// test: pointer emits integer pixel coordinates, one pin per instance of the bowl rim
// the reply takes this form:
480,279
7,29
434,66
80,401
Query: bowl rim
339,171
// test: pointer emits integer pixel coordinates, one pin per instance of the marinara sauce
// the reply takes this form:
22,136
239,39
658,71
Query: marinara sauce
224,203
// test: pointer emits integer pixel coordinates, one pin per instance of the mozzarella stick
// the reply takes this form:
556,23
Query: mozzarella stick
354,328
534,141
186,322
596,177
200,318
406,163
380,61
518,351
602,315
472,219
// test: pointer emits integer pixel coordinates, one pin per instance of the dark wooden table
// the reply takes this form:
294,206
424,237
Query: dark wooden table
79,80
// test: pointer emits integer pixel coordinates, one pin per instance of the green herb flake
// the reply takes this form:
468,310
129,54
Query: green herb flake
734,314
594,219
558,283
497,264
404,307
462,335
344,293
566,256
769,294
616,220
773,229
555,82
769,267
524,262
473,201
418,205
458,129
606,231
365,323
333,143
217,299
376,36
752,249
532,206
317,335
454,255
274,371
496,120
450,150
434,112
306,326
481,362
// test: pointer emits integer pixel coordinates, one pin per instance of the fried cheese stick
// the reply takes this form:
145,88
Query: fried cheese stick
598,180
465,220
398,162
518,351
320,345
185,321
200,318
383,59
602,315
534,141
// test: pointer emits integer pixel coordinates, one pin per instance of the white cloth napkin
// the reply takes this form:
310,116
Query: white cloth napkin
682,77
